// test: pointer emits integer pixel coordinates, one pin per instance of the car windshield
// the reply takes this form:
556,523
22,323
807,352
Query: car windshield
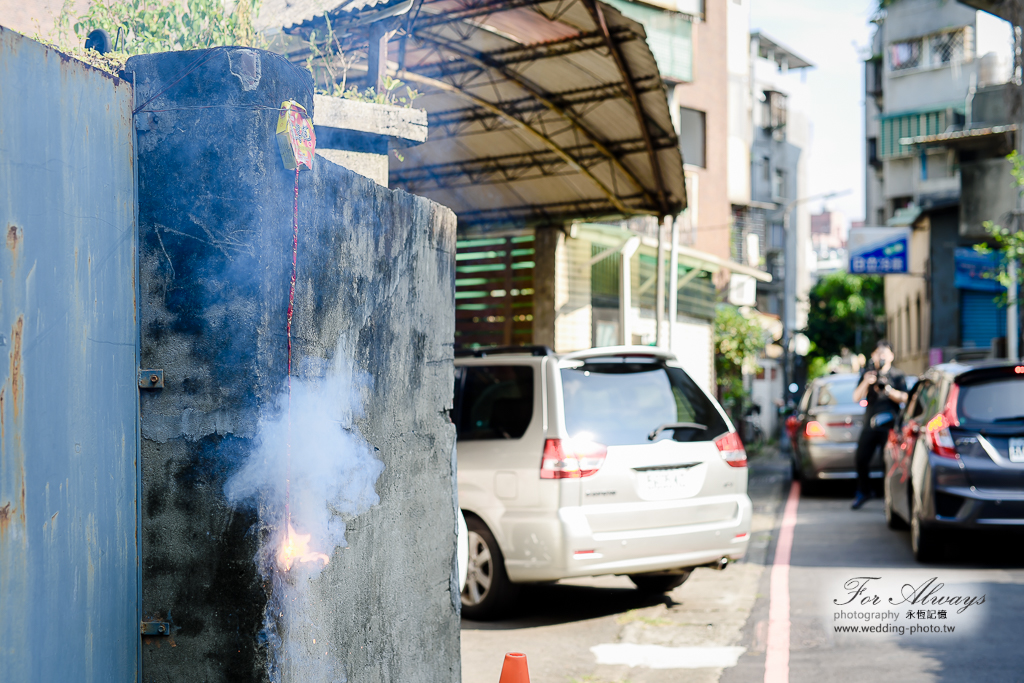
618,401
1001,400
837,392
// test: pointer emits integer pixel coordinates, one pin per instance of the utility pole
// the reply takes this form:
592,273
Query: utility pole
659,304
673,282
789,286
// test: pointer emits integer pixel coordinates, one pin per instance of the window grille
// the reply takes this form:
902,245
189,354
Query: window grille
948,47
779,185
905,55
745,222
774,110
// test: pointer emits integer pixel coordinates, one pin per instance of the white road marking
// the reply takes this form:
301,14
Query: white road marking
660,657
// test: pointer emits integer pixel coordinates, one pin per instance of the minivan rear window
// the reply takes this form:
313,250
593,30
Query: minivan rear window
493,402
618,402
1001,400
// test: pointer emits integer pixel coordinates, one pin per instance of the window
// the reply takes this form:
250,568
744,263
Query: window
494,402
766,169
691,136
949,47
993,401
921,401
917,310
773,110
873,77
935,50
905,54
618,401
837,392
873,159
779,184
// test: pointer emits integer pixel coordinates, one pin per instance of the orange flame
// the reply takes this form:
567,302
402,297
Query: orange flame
295,548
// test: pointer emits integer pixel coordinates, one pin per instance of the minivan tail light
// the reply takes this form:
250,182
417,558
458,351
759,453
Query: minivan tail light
731,447
571,458
940,439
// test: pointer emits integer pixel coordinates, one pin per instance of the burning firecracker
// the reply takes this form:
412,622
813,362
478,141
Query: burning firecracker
295,136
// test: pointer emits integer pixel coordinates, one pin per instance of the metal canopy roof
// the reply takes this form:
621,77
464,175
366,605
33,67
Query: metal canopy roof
538,111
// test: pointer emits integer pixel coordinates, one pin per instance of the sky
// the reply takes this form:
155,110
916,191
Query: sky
832,34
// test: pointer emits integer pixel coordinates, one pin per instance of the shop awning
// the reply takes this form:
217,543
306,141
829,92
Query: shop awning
538,112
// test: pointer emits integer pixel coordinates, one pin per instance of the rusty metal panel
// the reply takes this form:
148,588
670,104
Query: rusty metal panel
68,370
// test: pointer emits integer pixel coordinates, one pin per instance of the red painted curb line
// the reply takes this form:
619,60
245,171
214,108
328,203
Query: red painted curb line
776,661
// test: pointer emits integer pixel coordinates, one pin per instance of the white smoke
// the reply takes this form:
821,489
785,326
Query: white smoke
333,472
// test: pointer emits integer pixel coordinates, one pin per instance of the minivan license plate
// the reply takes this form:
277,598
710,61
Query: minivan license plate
1016,450
675,482
660,480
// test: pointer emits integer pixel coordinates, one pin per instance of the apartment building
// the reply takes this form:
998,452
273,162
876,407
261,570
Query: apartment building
938,127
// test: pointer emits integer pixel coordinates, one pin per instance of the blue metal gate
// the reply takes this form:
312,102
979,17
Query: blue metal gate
68,371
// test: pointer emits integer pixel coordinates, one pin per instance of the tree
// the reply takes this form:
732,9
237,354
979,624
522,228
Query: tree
738,341
846,311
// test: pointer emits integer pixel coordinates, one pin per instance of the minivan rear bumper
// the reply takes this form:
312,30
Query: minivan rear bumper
578,551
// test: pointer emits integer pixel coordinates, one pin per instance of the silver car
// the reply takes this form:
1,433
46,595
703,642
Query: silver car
829,424
606,461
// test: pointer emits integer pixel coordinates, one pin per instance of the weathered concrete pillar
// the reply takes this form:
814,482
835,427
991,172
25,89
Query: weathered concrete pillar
372,342
545,246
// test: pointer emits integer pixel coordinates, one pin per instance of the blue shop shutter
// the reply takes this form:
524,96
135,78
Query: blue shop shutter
981,319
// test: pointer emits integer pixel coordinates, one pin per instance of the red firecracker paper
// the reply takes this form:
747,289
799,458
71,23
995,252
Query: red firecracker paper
295,136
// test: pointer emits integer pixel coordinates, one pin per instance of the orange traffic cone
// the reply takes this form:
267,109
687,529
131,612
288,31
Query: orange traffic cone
514,669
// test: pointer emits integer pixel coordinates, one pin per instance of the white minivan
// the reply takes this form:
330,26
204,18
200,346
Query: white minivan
605,461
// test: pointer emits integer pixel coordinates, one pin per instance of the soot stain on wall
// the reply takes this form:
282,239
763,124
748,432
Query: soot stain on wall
376,282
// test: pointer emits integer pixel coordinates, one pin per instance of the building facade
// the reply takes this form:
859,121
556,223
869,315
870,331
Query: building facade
938,127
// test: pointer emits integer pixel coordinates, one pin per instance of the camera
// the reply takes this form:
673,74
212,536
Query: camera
882,380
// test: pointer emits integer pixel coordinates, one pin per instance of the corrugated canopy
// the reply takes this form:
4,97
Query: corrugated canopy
538,112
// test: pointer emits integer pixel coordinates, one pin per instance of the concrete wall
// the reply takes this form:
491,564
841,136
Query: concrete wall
926,86
910,333
68,393
709,93
989,193
373,332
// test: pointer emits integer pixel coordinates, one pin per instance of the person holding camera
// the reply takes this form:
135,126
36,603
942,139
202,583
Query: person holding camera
885,388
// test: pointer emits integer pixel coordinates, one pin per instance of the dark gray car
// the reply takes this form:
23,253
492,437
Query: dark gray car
830,421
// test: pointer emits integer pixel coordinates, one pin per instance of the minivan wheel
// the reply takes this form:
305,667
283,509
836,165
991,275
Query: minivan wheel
487,588
658,583
924,542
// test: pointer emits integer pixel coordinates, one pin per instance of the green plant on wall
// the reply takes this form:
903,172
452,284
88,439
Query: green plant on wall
329,65
147,26
1007,242
738,341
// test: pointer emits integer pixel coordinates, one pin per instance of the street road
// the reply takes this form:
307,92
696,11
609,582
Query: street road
718,621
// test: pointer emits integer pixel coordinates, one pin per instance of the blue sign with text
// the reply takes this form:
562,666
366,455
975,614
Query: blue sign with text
879,252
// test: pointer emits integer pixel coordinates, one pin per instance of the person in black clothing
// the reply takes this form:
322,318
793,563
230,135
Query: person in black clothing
885,388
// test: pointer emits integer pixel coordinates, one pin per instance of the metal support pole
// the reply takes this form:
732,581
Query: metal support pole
626,290
788,299
625,298
1012,316
673,283
377,56
659,298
